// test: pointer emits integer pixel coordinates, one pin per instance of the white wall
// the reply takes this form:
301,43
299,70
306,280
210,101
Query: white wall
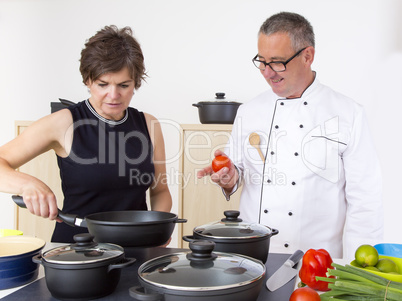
196,48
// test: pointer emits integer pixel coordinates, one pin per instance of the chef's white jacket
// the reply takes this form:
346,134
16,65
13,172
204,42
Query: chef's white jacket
320,186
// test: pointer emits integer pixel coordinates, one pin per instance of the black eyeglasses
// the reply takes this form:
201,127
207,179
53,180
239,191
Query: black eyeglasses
276,66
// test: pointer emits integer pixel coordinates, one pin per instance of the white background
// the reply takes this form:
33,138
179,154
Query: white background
196,48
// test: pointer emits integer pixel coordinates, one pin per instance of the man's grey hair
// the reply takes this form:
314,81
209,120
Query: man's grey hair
300,31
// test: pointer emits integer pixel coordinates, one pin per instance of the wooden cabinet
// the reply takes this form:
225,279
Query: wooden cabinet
45,168
200,200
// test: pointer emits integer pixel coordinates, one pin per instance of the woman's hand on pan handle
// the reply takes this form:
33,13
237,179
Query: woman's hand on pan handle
225,178
40,200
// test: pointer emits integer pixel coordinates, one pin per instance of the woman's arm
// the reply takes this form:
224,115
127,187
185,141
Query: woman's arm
50,132
161,200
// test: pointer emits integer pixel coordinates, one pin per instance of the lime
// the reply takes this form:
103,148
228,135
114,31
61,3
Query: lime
366,255
372,269
386,265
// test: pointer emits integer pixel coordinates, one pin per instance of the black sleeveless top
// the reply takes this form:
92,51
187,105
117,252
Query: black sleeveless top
109,167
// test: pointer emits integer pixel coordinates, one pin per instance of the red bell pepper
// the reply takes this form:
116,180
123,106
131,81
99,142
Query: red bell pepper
315,263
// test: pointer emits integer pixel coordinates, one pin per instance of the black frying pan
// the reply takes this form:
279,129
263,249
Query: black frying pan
136,228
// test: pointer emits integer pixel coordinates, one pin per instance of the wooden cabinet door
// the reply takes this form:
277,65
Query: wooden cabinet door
45,168
200,200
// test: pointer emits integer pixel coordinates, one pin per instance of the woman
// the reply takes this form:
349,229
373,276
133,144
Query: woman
108,153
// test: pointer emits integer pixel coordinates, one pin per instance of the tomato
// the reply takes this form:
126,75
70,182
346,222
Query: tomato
304,294
220,162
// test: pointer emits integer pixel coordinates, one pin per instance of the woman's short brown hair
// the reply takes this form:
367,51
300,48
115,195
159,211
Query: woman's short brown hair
110,50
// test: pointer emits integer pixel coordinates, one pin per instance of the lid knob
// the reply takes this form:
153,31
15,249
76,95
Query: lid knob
220,95
201,251
83,241
231,216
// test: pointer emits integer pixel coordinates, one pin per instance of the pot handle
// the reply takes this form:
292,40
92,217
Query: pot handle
274,232
138,292
189,238
197,105
180,220
128,262
37,259
69,219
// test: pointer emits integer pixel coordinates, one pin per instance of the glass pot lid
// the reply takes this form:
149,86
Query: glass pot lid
232,227
201,269
219,99
83,251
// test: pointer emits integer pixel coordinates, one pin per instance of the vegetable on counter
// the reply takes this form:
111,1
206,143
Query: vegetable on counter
304,294
315,263
352,283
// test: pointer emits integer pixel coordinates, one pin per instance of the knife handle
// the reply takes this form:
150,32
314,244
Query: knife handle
296,256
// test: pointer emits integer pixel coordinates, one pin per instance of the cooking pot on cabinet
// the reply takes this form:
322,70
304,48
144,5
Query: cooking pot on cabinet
218,111
200,275
135,228
83,271
233,235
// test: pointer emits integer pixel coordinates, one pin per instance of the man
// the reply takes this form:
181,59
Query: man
318,181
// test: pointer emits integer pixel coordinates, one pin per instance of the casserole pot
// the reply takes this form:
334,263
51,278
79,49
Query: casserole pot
16,266
200,275
83,271
136,228
233,235
217,111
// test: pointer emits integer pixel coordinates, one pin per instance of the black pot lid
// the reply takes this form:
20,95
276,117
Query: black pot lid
84,251
201,269
233,227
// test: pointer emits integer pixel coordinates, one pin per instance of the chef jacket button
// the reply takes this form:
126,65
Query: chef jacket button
269,181
277,126
296,153
272,153
286,245
282,103
301,126
265,211
305,103
293,183
290,213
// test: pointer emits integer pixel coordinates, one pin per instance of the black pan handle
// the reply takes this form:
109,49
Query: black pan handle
126,263
69,219
138,292
180,220
66,102
189,238
197,105
274,232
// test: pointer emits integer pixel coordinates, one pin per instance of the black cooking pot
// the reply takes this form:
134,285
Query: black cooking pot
217,111
83,271
16,266
136,228
200,275
233,235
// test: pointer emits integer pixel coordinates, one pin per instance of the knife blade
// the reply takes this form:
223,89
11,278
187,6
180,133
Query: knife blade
285,273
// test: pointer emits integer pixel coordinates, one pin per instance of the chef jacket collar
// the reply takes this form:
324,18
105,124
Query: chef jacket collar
306,92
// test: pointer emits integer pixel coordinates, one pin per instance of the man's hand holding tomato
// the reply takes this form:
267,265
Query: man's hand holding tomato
225,177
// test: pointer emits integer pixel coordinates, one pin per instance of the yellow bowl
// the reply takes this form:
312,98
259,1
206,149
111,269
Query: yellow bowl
8,232
392,277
